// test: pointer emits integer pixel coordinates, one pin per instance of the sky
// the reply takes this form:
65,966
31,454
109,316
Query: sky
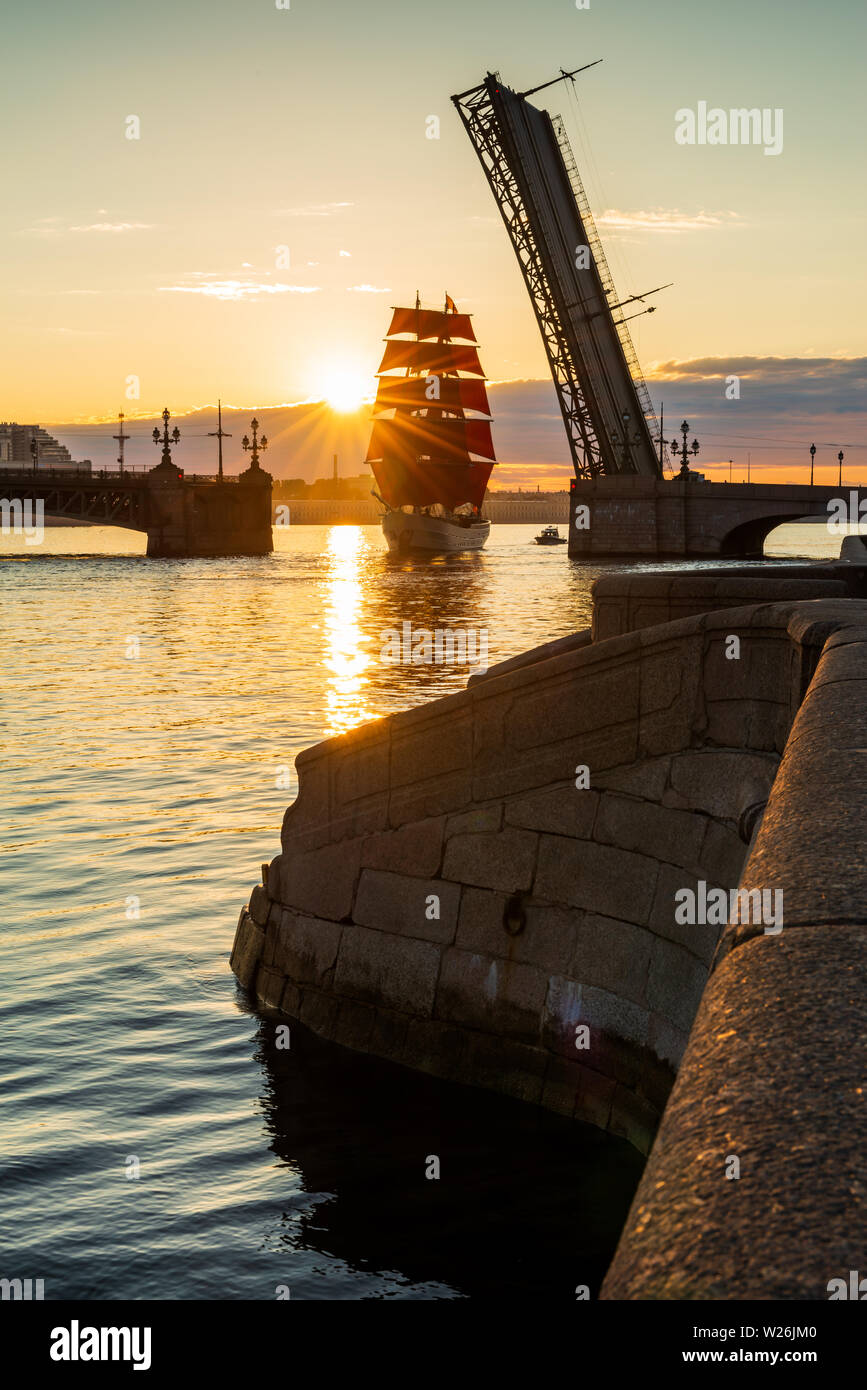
283,194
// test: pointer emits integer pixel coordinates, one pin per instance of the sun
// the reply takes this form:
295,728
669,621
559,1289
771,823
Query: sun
345,388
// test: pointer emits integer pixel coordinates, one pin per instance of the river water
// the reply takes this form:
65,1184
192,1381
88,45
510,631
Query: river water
152,1143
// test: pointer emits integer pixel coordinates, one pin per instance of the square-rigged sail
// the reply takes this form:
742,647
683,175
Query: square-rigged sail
423,453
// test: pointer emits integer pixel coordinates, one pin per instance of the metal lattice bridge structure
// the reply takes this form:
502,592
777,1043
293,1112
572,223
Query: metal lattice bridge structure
529,164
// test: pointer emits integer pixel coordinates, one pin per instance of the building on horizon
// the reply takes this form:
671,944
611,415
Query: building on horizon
16,447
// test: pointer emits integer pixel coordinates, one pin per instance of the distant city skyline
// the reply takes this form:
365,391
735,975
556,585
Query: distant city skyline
281,192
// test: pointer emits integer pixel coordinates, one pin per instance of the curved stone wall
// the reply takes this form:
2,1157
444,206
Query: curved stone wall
448,897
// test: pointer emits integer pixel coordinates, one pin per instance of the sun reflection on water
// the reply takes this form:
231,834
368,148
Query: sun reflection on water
344,657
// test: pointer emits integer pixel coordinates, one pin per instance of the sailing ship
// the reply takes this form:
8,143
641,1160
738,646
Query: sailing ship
431,458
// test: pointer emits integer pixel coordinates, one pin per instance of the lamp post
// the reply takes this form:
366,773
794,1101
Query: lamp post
219,434
840,469
166,439
34,451
121,439
256,445
626,464
683,450
812,461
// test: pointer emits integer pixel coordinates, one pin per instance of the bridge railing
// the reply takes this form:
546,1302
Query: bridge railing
135,473
74,474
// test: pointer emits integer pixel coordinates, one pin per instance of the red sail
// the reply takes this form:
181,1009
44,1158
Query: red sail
430,357
410,436
431,323
455,393
420,483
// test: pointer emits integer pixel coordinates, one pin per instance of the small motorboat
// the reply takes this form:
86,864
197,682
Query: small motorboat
550,535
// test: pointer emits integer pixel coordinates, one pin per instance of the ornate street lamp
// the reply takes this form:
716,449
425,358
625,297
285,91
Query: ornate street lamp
256,445
627,465
165,438
840,469
812,460
683,450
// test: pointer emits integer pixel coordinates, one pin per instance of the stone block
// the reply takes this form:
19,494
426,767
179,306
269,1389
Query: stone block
548,939
611,954
305,948
290,1002
608,1013
505,860
354,1025
414,848
719,782
430,797
699,938
481,820
247,950
494,996
512,1068
598,878
594,1096
563,1013
727,723
667,1042
675,983
595,695
397,903
381,969
318,1012
646,779
560,810
634,1118
269,987
322,881
359,765
431,740
723,854
768,727
660,832
260,905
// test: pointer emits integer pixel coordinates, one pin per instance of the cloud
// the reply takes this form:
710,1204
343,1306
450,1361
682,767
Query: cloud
313,210
348,254
113,227
45,228
665,220
238,289
367,289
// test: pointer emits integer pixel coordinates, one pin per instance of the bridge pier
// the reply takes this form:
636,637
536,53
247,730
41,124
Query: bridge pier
182,516
690,518
193,517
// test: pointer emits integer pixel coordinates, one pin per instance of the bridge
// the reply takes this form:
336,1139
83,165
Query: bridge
691,517
194,515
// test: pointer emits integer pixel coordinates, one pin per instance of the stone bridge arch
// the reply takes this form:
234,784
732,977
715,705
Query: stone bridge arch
641,517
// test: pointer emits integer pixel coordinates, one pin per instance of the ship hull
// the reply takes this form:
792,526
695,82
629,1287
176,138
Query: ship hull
411,531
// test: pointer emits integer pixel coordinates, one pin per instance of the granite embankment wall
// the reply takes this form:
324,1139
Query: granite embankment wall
447,897
775,1074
